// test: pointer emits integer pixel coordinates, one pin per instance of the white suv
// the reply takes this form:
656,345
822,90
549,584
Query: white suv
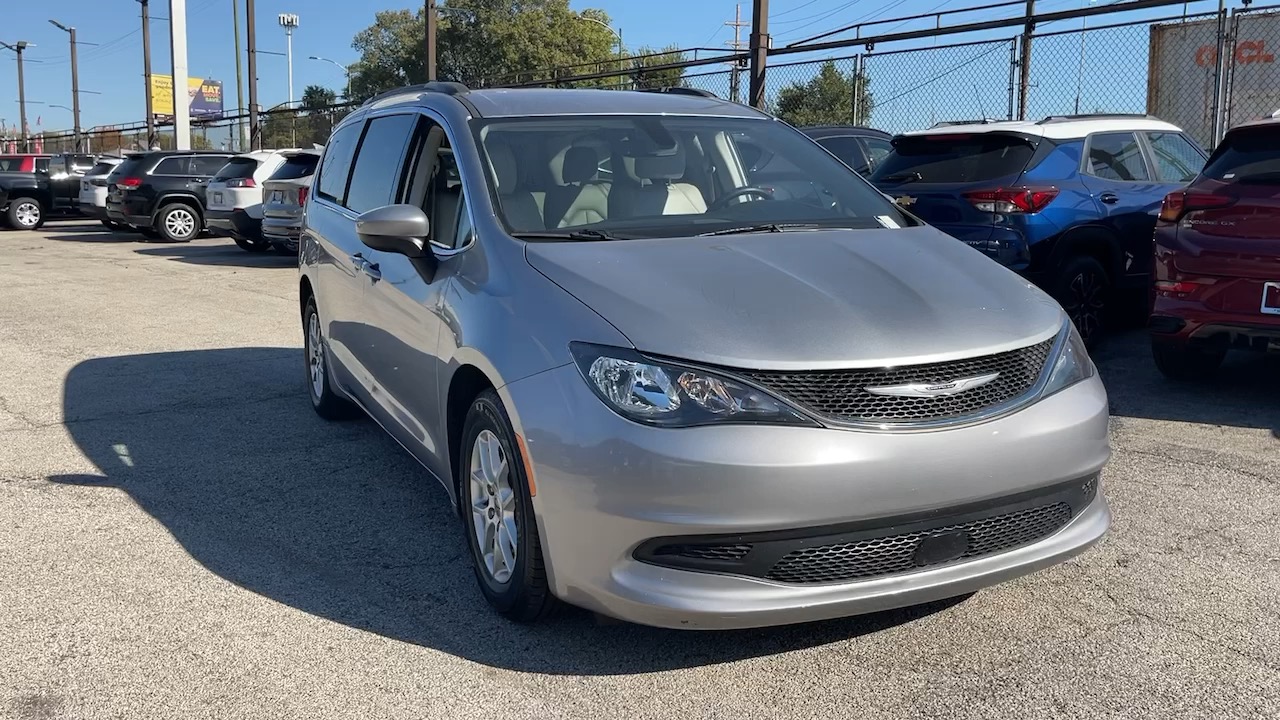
235,197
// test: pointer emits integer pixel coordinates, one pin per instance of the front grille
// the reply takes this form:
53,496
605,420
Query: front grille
841,395
896,553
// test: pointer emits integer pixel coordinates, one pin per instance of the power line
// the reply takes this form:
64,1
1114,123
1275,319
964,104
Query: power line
815,18
788,12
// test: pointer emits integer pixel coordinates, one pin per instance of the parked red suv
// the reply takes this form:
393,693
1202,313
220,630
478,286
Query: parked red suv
1217,257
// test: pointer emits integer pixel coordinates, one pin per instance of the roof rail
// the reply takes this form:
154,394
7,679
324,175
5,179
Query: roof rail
696,92
950,123
447,88
1094,116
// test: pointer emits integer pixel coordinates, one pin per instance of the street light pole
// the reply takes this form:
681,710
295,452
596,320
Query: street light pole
75,81
616,33
18,47
289,21
341,67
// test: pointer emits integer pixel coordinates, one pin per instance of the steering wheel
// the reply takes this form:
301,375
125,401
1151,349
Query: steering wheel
721,203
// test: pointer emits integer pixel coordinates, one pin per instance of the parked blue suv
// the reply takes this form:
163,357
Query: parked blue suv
1069,201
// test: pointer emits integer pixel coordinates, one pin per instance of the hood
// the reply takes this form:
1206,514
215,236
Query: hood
804,300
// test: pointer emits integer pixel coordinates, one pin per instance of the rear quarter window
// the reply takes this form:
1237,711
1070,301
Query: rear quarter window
946,158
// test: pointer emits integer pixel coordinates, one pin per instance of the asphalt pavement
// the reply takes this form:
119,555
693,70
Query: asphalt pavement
181,537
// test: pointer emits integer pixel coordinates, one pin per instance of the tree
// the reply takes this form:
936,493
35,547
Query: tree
643,77
479,42
826,99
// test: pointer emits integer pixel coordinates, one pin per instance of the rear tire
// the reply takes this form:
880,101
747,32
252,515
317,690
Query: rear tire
1184,363
253,246
327,403
25,213
1083,288
178,223
494,494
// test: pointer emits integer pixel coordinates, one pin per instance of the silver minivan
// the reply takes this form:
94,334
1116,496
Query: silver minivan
659,392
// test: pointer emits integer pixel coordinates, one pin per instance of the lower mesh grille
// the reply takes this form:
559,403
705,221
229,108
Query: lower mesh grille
705,552
896,553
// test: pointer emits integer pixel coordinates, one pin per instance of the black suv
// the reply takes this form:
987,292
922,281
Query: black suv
162,193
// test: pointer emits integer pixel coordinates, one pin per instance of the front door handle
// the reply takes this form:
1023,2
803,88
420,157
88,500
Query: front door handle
371,269
1110,198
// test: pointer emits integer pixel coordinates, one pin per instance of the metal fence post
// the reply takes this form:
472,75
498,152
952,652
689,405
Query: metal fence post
1219,71
1013,76
1024,83
857,84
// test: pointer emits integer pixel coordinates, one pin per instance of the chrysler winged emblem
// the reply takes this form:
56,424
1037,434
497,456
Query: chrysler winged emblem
925,390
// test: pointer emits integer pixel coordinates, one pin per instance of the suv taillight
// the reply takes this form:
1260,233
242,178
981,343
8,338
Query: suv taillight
241,183
129,182
1012,201
1177,204
302,196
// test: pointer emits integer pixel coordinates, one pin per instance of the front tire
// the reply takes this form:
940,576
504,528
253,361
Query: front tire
327,403
498,517
25,213
178,223
1186,364
1083,289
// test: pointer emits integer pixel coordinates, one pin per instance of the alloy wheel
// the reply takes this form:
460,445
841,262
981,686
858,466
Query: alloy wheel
493,507
315,356
27,214
1085,302
180,223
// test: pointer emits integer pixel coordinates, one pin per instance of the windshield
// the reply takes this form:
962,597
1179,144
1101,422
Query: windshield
297,166
953,158
1246,156
612,177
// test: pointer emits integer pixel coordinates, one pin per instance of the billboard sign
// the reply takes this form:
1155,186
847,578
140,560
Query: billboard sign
204,97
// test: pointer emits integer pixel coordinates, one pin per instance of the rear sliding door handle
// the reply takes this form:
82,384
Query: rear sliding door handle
371,269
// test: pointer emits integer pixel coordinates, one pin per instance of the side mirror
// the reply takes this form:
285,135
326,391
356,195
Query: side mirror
398,229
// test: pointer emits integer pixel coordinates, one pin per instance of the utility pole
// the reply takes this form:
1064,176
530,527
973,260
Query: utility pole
251,37
18,47
178,58
429,42
75,82
734,80
235,20
146,71
760,43
1024,64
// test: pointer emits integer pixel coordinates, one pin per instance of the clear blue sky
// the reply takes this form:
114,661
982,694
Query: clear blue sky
114,66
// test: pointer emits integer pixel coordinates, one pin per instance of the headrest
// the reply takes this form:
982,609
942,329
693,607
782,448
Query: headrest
580,164
667,164
504,167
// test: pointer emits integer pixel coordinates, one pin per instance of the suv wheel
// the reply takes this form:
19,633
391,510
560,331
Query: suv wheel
1180,362
498,515
25,214
327,403
178,223
1082,288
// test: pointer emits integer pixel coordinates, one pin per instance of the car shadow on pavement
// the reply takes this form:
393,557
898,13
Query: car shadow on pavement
1244,393
101,236
224,253
335,519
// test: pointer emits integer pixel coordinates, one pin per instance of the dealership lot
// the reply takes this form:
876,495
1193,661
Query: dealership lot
181,536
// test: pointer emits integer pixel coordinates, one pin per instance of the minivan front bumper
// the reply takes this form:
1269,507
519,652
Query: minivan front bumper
608,491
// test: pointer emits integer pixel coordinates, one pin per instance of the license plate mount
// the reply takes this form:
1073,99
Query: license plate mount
1271,298
277,196
217,197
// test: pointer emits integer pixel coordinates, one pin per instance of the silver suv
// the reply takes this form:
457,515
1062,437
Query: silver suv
659,392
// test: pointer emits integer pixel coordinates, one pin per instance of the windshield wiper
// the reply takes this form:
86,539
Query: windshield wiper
902,177
566,235
761,228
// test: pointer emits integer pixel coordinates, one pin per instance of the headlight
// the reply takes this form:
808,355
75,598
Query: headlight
1071,365
658,393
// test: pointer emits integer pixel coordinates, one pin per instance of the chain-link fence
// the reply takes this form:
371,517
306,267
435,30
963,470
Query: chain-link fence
1168,67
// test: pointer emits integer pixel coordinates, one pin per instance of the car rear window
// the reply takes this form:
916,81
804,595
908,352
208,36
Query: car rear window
240,167
948,158
101,168
1246,156
297,166
128,167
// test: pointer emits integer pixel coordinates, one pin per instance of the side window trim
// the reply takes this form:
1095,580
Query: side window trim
464,176
1143,154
